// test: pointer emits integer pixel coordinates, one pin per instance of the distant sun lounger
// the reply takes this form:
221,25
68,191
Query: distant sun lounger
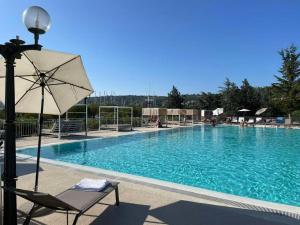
250,121
259,120
241,119
75,200
234,120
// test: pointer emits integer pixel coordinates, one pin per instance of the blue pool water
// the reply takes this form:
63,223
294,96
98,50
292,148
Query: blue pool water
260,163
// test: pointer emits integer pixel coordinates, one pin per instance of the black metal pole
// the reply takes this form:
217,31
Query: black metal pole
10,203
10,51
41,120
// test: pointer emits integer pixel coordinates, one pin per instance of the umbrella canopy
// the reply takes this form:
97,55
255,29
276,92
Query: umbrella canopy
46,82
261,111
244,110
66,82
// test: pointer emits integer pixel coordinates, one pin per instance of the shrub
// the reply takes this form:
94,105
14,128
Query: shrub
296,115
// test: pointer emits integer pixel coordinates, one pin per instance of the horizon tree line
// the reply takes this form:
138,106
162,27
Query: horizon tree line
282,98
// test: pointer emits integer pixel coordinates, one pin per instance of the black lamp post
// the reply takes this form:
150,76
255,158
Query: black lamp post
37,21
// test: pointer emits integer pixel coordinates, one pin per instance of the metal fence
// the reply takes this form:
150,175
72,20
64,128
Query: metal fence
26,128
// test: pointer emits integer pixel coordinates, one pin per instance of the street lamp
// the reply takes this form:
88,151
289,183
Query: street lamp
37,21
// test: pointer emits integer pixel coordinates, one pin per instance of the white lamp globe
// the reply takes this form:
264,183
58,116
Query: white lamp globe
36,19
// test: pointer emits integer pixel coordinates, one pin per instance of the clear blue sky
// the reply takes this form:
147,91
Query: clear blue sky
131,46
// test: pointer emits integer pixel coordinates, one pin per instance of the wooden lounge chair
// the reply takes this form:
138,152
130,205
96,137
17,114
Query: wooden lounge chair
66,127
78,201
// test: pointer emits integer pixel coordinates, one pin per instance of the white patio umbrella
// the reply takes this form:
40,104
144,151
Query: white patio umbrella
261,111
244,110
47,82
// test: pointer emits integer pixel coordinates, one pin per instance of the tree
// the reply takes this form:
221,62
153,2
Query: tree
209,101
265,98
175,100
93,110
287,88
249,97
230,96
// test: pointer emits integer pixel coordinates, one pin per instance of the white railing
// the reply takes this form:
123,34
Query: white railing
24,128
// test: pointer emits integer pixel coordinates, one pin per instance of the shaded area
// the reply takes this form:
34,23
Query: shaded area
126,213
23,166
192,213
178,213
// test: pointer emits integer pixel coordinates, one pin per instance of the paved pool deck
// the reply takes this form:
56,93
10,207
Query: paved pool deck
143,201
51,139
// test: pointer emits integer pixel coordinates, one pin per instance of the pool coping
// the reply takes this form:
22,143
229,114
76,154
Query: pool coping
134,132
223,198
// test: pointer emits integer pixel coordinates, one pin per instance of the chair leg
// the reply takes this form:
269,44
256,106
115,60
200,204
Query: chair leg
76,218
117,196
28,217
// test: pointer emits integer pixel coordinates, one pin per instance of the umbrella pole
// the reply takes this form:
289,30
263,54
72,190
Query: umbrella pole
41,120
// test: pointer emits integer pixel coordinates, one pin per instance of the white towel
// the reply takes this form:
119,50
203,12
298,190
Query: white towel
87,184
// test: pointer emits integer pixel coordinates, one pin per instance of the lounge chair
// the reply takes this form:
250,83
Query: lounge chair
234,120
66,127
241,119
250,121
259,120
74,200
280,120
296,124
270,122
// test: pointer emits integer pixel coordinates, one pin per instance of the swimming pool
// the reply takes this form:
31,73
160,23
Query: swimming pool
261,163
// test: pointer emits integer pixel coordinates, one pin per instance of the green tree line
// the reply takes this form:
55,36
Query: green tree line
282,98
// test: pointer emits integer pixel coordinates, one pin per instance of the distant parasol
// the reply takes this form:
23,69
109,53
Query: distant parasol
261,111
